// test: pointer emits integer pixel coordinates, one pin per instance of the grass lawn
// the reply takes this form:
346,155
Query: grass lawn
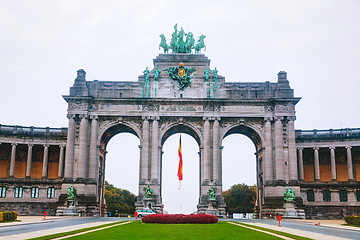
140,230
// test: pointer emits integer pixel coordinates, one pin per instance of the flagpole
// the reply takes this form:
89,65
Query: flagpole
180,198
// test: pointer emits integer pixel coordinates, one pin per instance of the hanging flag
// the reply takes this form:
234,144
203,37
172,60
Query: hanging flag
180,170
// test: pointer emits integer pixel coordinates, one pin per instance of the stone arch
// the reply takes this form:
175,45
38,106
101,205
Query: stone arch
181,128
249,130
115,128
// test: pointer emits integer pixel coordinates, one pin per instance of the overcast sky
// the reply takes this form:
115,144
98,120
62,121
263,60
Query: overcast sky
44,43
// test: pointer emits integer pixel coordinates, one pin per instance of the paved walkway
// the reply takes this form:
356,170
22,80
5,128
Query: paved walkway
34,234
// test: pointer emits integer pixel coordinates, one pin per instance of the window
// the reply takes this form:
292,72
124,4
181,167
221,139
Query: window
18,193
310,195
343,196
358,195
326,196
51,192
2,192
34,192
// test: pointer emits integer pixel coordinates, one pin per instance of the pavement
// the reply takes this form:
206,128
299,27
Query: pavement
36,226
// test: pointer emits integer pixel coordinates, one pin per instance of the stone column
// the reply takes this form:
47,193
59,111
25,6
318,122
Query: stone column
202,164
61,161
279,150
216,153
349,163
12,159
144,165
28,161
93,148
301,164
268,154
207,162
45,161
155,171
333,164
293,171
69,156
82,163
316,164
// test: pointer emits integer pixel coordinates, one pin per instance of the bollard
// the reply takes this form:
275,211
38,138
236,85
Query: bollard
279,219
44,215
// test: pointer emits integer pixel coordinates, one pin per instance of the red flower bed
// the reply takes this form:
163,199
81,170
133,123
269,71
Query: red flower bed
179,218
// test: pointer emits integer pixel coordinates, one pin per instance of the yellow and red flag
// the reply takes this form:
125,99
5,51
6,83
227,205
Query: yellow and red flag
180,169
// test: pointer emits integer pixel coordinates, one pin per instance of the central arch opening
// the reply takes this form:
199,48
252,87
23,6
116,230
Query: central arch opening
175,197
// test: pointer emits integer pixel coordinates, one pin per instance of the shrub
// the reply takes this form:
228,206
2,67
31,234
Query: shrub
8,216
179,218
353,220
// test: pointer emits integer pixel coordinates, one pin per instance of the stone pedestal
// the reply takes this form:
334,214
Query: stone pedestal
291,212
69,209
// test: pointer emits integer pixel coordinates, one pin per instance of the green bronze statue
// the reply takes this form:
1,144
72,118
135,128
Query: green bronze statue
146,87
289,195
178,45
156,79
211,193
71,192
148,191
206,74
156,74
200,44
182,74
163,44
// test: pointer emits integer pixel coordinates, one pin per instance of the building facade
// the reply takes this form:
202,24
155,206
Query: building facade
322,166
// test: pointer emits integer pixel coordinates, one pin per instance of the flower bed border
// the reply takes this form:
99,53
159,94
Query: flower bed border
180,219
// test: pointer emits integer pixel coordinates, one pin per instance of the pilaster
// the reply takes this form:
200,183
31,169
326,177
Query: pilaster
268,153
70,145
279,150
83,134
207,160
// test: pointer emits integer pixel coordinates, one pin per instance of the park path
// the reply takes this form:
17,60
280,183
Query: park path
40,233
302,233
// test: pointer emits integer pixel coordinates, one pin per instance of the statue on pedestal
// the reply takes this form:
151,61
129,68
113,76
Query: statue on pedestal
289,195
71,192
211,193
148,191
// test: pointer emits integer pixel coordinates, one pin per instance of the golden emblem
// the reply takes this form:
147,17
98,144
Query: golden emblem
181,71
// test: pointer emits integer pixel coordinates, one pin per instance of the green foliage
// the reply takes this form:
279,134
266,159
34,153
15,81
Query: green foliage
119,200
8,216
240,198
352,220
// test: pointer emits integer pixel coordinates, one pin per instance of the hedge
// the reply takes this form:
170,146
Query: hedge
179,218
8,216
353,220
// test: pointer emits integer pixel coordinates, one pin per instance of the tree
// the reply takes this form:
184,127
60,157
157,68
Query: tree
240,198
119,200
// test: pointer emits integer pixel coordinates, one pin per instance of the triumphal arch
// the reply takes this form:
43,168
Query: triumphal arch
183,93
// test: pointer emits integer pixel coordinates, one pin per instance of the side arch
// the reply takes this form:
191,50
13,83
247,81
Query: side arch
249,130
115,128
